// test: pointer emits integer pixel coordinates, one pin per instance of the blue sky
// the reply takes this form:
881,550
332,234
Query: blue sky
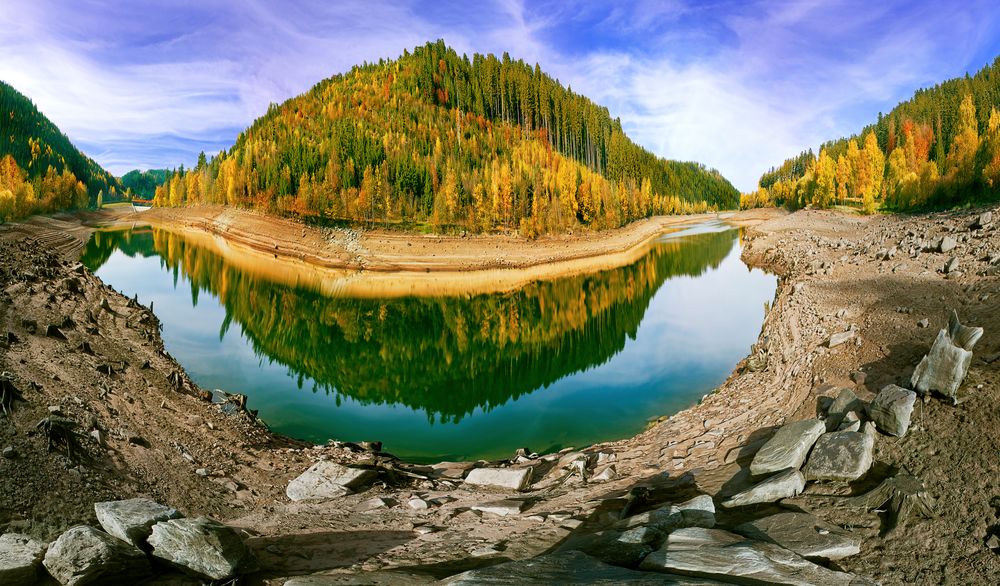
738,86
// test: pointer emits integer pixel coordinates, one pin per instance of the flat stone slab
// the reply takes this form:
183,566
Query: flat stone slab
327,480
512,478
891,409
720,555
20,557
202,547
132,520
567,567
84,555
502,507
805,534
785,484
841,455
696,512
845,402
788,447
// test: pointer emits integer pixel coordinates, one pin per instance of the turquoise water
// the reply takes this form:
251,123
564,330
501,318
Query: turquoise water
565,362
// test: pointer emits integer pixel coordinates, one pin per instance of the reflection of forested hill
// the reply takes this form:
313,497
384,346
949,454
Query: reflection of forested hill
449,355
103,243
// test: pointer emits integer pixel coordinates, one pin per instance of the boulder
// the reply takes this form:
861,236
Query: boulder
617,548
841,455
785,484
788,447
202,547
724,556
891,409
20,557
983,220
965,337
946,244
845,402
132,520
952,265
805,534
696,512
511,478
84,555
943,369
839,338
327,480
564,567
503,507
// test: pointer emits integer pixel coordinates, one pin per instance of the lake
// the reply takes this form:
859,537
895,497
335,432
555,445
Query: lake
564,362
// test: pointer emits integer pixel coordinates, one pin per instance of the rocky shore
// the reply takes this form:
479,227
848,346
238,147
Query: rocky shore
833,452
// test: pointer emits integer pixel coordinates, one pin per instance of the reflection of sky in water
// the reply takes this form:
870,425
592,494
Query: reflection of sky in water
693,333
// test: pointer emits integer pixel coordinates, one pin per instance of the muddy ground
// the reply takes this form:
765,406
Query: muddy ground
161,438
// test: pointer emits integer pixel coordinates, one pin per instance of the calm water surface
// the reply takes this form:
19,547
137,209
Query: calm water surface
566,362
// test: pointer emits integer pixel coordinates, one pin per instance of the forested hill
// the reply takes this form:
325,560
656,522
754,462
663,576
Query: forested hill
38,146
481,144
940,148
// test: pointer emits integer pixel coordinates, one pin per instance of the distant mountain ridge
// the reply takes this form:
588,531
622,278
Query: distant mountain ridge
436,138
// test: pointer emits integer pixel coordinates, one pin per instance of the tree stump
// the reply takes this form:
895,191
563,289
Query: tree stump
8,393
905,495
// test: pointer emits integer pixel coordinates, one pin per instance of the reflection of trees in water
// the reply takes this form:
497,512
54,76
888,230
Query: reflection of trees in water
445,355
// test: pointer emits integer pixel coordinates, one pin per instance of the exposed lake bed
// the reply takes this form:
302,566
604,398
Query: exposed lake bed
701,449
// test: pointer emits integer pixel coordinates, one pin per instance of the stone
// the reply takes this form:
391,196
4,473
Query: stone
788,447
511,478
839,338
84,555
964,337
858,377
946,244
851,422
503,507
9,453
891,409
417,504
952,265
983,220
202,547
805,534
782,485
327,480
132,520
564,567
605,474
841,455
724,556
923,323
943,368
696,512
20,556
373,504
617,548
845,402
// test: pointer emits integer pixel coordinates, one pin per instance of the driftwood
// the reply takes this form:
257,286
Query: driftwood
8,393
905,496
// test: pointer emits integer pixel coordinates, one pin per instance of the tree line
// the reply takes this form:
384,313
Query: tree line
939,149
436,138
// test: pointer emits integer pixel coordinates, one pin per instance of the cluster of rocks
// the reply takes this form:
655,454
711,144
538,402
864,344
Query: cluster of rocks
140,538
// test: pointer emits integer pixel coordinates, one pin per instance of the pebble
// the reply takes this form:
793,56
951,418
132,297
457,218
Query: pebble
9,453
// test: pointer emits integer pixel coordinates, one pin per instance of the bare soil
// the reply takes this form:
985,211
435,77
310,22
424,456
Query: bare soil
164,440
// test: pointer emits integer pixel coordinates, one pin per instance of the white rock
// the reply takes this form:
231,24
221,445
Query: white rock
20,556
841,455
327,480
891,409
511,478
84,555
202,547
788,447
784,484
504,507
132,520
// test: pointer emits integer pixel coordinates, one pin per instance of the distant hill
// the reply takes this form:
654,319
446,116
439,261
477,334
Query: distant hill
940,148
433,137
39,150
144,183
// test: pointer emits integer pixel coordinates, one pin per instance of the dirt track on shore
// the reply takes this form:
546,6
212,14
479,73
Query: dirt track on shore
160,435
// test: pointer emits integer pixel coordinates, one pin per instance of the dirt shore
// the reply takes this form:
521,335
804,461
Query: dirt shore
160,438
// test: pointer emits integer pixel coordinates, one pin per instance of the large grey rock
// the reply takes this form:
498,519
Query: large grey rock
202,547
720,555
696,512
845,402
512,478
841,455
132,520
839,338
327,480
618,548
943,369
503,507
20,557
785,484
965,337
805,534
788,447
84,555
891,409
946,244
566,567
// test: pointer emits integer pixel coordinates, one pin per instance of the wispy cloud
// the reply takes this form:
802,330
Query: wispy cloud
734,85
